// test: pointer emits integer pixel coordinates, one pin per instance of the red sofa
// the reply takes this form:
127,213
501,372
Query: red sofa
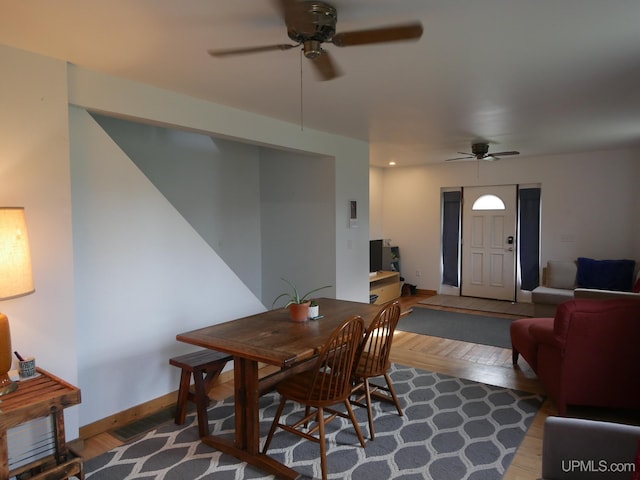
589,354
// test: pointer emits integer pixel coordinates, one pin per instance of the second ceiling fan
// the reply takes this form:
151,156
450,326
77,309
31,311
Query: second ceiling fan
480,151
312,23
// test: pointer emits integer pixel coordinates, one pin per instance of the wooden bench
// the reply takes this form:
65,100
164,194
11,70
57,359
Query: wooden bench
205,366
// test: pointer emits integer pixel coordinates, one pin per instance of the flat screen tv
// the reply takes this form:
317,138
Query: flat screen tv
375,255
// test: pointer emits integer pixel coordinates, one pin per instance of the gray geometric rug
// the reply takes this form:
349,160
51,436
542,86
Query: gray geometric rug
451,429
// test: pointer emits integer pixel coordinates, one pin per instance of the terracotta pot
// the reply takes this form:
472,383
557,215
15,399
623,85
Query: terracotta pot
299,311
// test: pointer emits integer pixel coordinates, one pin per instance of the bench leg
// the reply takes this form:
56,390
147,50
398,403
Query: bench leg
201,400
183,397
202,385
212,374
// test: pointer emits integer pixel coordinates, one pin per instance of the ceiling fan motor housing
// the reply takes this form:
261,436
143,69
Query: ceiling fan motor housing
311,21
480,149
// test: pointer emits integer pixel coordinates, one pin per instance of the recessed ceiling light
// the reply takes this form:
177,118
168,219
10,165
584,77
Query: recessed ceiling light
392,163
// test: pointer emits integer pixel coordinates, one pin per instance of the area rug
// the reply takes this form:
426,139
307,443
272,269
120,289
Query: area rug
451,429
465,327
480,304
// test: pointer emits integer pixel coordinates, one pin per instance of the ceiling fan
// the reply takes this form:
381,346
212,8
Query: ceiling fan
311,23
480,151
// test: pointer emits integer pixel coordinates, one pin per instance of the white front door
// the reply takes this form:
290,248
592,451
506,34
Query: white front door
489,242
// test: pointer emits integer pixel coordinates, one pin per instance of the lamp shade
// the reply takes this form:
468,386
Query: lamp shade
16,277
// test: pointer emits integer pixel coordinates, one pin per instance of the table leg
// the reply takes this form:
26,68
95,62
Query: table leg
246,446
4,455
247,405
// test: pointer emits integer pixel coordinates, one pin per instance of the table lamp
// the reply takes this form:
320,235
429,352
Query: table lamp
16,279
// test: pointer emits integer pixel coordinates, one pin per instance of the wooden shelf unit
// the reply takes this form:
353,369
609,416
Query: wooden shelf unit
35,398
386,285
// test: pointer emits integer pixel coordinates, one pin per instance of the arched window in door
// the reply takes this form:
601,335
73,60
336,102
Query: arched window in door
488,202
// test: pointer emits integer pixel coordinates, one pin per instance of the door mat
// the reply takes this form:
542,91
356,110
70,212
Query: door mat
464,327
480,304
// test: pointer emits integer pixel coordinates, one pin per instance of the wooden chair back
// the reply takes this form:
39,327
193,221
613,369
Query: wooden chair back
373,354
332,378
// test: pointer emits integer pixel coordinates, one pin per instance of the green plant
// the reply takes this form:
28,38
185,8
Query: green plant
294,296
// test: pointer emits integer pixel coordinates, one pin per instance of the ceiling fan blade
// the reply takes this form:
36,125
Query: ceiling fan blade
470,157
409,31
326,67
245,50
504,154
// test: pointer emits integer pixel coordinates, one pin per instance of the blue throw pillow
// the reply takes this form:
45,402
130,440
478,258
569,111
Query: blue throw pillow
605,274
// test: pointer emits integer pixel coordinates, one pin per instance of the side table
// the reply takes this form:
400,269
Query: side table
40,396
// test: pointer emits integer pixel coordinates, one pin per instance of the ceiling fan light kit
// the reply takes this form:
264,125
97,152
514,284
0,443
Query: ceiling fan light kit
311,23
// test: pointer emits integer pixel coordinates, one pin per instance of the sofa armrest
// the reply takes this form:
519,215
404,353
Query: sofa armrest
582,449
543,333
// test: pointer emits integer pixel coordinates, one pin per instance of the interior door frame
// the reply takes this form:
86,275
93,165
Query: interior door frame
453,224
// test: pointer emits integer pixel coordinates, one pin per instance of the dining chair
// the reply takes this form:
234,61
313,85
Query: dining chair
326,385
373,361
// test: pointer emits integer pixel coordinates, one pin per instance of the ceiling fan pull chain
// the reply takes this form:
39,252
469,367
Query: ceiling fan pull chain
301,96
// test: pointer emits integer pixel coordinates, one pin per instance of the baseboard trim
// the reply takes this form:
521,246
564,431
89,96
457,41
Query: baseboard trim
426,293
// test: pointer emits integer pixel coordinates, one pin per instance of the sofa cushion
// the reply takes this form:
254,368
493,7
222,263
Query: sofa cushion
605,274
553,296
561,274
596,294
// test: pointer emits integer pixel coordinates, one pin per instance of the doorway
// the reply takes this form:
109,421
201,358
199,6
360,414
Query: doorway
488,266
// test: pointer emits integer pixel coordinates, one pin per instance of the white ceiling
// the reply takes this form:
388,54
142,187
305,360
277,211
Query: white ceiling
538,76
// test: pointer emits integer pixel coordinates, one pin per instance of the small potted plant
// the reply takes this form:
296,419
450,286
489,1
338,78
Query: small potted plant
297,304
314,309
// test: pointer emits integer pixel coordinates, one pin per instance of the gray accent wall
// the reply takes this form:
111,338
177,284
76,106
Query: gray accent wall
214,183
297,206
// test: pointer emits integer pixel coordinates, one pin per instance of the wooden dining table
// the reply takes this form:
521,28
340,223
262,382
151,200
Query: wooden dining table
271,338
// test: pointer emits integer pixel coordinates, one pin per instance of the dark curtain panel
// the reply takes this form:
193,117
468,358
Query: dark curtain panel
530,237
450,237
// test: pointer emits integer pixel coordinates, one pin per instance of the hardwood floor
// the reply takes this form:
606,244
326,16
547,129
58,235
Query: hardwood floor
482,363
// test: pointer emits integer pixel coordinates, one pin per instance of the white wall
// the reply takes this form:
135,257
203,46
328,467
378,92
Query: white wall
112,95
135,288
34,166
376,204
145,274
142,275
589,206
